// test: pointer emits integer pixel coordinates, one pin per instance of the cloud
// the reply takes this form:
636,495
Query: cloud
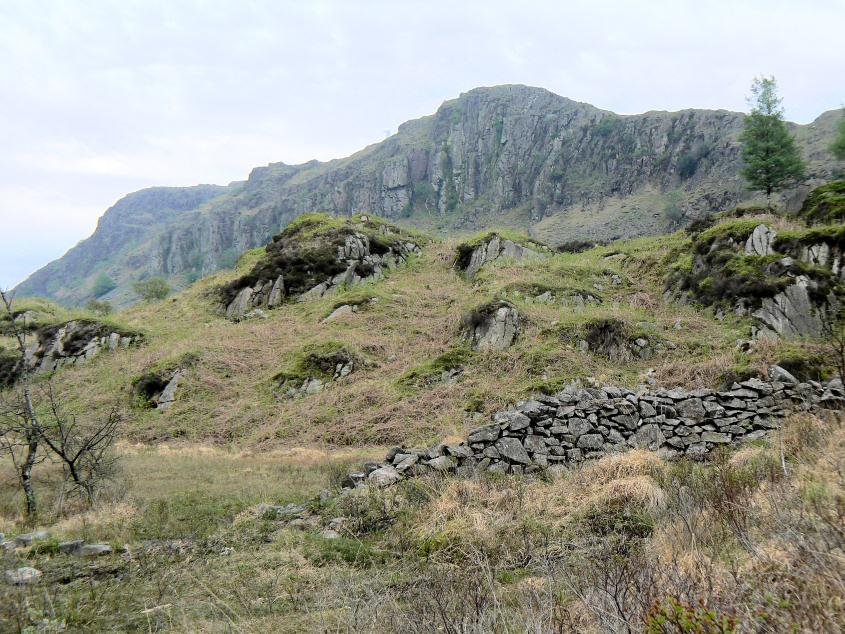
99,96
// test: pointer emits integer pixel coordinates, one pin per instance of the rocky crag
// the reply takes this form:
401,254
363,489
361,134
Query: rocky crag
790,280
314,257
503,156
65,344
584,423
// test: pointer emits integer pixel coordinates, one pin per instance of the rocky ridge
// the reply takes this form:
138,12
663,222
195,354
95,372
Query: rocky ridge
789,281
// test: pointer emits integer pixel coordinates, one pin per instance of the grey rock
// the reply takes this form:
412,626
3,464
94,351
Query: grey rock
337,312
535,444
513,450
497,330
777,373
590,441
760,241
648,436
26,539
70,548
93,550
407,462
715,437
240,305
486,433
791,314
23,576
384,476
442,464
691,409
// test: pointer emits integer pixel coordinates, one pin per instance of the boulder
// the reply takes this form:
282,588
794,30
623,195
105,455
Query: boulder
493,326
777,373
760,241
385,476
240,305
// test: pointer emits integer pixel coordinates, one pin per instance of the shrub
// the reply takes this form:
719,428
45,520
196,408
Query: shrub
151,289
103,284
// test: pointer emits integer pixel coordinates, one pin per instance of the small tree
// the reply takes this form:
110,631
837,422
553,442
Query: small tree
674,205
34,428
151,289
771,160
838,145
103,284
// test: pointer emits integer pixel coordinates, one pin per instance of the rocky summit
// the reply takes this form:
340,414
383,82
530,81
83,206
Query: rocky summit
506,156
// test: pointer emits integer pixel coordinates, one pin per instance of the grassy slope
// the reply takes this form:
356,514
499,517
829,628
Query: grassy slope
232,443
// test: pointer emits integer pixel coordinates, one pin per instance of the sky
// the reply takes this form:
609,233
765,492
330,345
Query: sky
99,99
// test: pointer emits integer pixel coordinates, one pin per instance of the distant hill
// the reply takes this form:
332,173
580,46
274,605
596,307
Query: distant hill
507,156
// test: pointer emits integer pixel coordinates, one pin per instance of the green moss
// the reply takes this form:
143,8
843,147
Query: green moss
431,370
738,230
316,361
792,241
825,204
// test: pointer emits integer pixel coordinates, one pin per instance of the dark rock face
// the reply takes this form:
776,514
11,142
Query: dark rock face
579,424
489,151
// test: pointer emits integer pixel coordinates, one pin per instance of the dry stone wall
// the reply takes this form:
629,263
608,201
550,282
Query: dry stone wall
583,423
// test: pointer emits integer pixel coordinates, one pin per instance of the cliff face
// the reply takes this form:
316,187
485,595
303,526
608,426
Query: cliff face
508,156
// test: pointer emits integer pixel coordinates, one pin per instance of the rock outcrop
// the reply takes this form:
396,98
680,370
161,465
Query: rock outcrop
583,423
315,366
792,283
492,326
314,257
472,256
68,343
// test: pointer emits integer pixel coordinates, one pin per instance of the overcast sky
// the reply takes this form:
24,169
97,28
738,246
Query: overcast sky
98,99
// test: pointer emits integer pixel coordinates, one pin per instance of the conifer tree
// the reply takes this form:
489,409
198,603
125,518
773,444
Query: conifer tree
771,160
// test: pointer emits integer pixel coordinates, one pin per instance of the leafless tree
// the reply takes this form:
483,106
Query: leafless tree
20,430
32,419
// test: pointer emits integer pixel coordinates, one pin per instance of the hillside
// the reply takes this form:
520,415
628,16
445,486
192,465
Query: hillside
508,156
238,431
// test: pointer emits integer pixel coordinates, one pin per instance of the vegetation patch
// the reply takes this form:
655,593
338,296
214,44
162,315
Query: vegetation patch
431,372
316,361
825,204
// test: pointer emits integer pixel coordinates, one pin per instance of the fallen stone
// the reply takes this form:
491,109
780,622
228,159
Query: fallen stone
26,539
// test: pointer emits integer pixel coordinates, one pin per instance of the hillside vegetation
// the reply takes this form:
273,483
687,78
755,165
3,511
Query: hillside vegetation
750,540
